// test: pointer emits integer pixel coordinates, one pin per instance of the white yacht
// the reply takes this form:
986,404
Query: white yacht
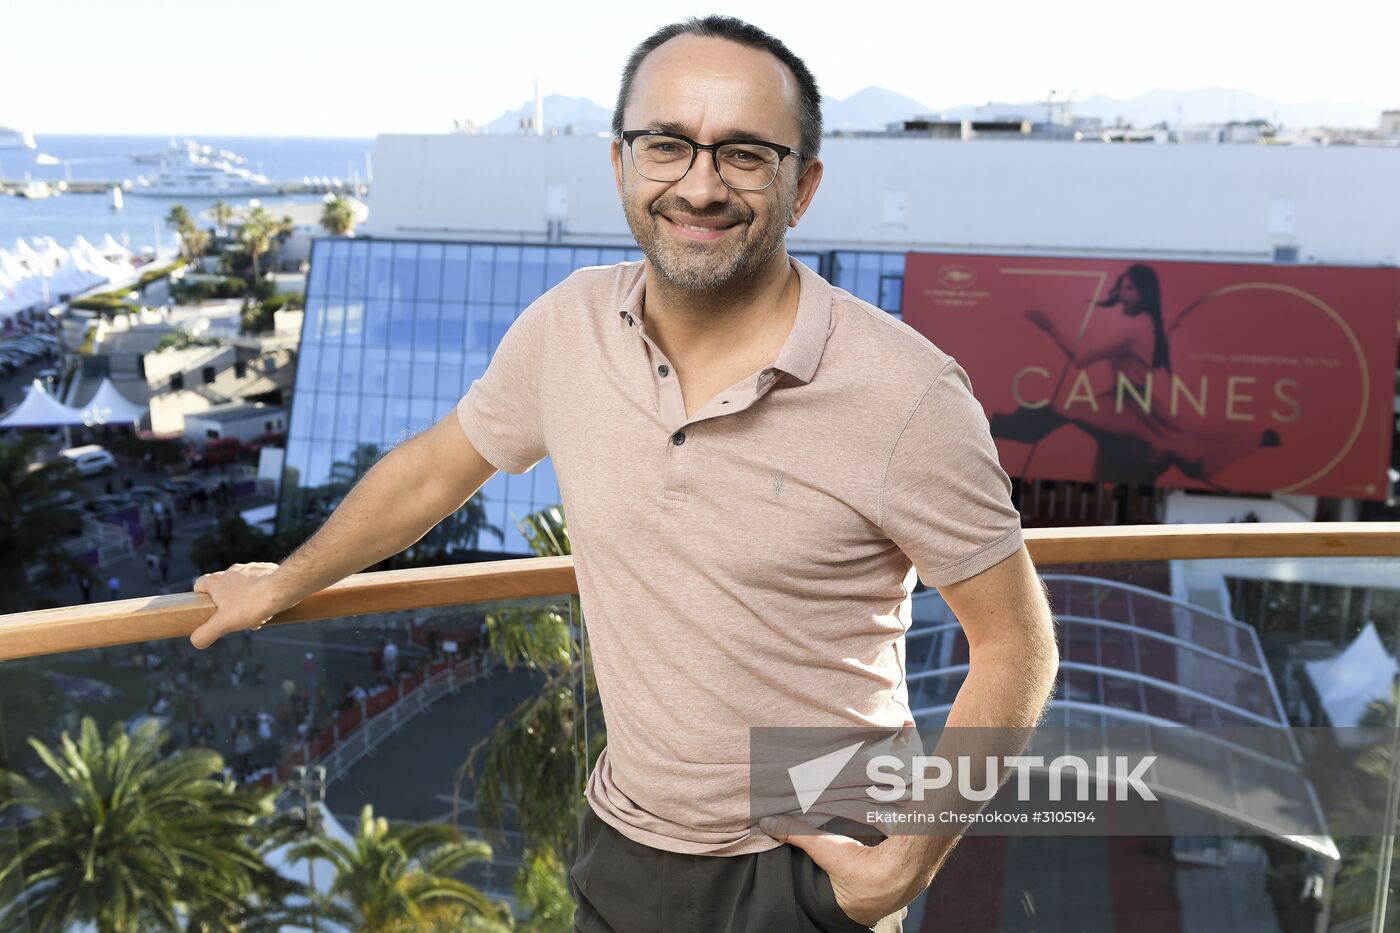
191,178
16,139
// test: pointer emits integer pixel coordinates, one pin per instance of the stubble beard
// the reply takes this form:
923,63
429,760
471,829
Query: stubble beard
714,268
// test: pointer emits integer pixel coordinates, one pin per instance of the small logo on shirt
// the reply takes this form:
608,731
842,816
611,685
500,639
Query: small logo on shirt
777,484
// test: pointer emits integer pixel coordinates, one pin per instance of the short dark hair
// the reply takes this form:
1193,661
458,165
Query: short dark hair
809,114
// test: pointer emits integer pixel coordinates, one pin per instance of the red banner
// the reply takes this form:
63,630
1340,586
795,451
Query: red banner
1227,377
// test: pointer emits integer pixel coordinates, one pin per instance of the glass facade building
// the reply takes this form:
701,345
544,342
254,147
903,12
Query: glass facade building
395,331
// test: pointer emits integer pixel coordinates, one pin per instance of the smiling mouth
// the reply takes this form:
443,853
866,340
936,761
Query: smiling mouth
697,232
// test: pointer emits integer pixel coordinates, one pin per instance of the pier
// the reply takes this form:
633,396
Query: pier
15,187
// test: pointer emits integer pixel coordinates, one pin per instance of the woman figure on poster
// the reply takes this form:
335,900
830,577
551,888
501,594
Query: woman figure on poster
1134,446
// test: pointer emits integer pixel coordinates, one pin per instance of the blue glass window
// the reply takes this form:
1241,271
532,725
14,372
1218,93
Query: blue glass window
355,269
454,274
480,273
374,368
401,324
337,275
377,322
506,275
371,415
400,372
531,274
381,259
429,272
452,323
425,327
405,271
354,321
425,376
449,376
329,373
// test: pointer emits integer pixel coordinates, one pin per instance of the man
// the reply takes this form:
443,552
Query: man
754,466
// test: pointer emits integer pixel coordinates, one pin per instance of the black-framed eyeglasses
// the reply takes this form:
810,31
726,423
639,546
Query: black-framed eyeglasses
743,164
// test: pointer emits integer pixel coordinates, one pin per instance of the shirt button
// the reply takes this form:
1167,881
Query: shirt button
678,438
663,369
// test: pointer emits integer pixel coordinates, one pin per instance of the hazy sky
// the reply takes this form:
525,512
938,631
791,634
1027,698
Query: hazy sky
359,67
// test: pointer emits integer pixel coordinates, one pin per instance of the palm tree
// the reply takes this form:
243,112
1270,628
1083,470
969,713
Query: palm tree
193,243
538,755
179,219
125,840
183,224
32,522
222,214
338,217
398,879
260,231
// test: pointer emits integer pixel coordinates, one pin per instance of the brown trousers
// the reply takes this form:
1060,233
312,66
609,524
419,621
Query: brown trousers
622,886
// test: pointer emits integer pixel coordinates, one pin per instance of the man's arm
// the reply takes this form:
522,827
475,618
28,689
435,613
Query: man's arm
1013,661
399,500
1005,613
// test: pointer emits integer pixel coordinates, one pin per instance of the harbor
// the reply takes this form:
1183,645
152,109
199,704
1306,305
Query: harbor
66,186
27,187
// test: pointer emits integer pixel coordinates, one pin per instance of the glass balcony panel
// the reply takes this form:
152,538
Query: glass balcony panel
475,720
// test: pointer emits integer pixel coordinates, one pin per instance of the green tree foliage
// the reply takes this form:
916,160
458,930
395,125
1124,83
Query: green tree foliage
399,879
259,233
338,216
122,839
33,523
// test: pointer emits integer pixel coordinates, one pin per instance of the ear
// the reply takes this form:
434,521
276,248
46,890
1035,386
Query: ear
615,153
807,184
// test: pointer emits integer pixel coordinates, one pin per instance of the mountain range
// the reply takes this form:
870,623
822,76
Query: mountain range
874,107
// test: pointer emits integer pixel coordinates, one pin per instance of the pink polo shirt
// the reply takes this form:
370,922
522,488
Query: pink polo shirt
751,565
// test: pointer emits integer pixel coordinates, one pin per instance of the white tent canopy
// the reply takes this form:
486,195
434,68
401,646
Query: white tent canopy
113,250
1348,683
70,278
109,406
41,410
27,255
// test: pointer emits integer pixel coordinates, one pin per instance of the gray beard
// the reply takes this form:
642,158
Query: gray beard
717,277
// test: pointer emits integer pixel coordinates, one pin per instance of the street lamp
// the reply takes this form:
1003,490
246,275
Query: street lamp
310,784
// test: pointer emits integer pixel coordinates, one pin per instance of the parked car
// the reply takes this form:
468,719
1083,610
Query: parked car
91,459
145,493
102,505
62,497
181,490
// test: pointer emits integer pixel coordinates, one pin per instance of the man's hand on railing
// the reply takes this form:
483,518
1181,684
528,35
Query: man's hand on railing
243,598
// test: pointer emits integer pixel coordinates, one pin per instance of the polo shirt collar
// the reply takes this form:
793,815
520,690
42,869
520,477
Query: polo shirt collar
802,350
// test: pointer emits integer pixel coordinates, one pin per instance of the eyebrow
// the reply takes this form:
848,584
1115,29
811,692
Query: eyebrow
669,126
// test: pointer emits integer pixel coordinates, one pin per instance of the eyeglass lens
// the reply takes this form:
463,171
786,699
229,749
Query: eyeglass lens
741,165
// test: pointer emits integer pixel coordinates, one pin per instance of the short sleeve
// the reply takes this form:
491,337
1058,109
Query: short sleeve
946,501
501,412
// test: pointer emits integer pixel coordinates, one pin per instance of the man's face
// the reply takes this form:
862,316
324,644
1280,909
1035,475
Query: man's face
698,233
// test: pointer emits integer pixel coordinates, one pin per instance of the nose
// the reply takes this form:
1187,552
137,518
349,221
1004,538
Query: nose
702,185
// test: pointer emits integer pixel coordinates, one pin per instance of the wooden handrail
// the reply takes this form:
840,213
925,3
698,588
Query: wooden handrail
147,618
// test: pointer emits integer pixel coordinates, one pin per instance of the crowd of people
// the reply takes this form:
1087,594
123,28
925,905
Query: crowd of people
183,680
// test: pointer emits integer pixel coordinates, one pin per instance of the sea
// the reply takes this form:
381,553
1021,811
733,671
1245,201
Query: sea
140,223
